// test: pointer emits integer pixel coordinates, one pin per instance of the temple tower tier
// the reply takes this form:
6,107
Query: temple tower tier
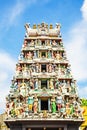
43,93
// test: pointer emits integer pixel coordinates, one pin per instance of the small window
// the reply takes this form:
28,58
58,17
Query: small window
43,68
43,84
43,43
43,54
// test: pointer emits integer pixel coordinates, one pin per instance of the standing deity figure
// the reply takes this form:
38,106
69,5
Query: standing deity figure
64,89
21,56
59,101
51,85
36,84
29,55
25,44
53,104
50,68
37,68
35,54
24,70
32,43
23,89
47,42
35,104
68,109
30,103
18,70
56,83
49,54
31,84
39,43
58,56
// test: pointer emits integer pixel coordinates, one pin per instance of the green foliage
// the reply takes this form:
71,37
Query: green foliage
83,102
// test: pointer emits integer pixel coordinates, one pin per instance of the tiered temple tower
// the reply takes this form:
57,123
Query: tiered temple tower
43,93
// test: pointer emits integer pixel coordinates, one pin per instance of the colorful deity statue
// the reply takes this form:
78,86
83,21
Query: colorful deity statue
35,104
24,70
25,44
49,54
58,56
53,104
35,54
31,83
23,89
54,43
18,70
30,103
51,84
32,43
36,84
29,55
59,101
50,68
37,67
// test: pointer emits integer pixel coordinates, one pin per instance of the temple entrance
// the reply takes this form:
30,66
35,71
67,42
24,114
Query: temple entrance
44,104
45,129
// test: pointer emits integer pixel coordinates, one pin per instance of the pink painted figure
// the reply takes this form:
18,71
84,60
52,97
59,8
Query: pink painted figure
35,105
50,68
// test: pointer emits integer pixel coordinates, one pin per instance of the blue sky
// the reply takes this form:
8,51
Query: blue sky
72,14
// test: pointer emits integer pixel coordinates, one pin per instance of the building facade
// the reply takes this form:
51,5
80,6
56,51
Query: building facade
43,94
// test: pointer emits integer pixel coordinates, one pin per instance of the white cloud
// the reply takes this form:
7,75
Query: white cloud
76,46
13,13
84,10
7,67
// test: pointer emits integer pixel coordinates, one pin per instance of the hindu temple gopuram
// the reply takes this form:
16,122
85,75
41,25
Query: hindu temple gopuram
43,93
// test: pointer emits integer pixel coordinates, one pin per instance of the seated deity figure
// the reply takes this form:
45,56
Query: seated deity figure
54,43
35,104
